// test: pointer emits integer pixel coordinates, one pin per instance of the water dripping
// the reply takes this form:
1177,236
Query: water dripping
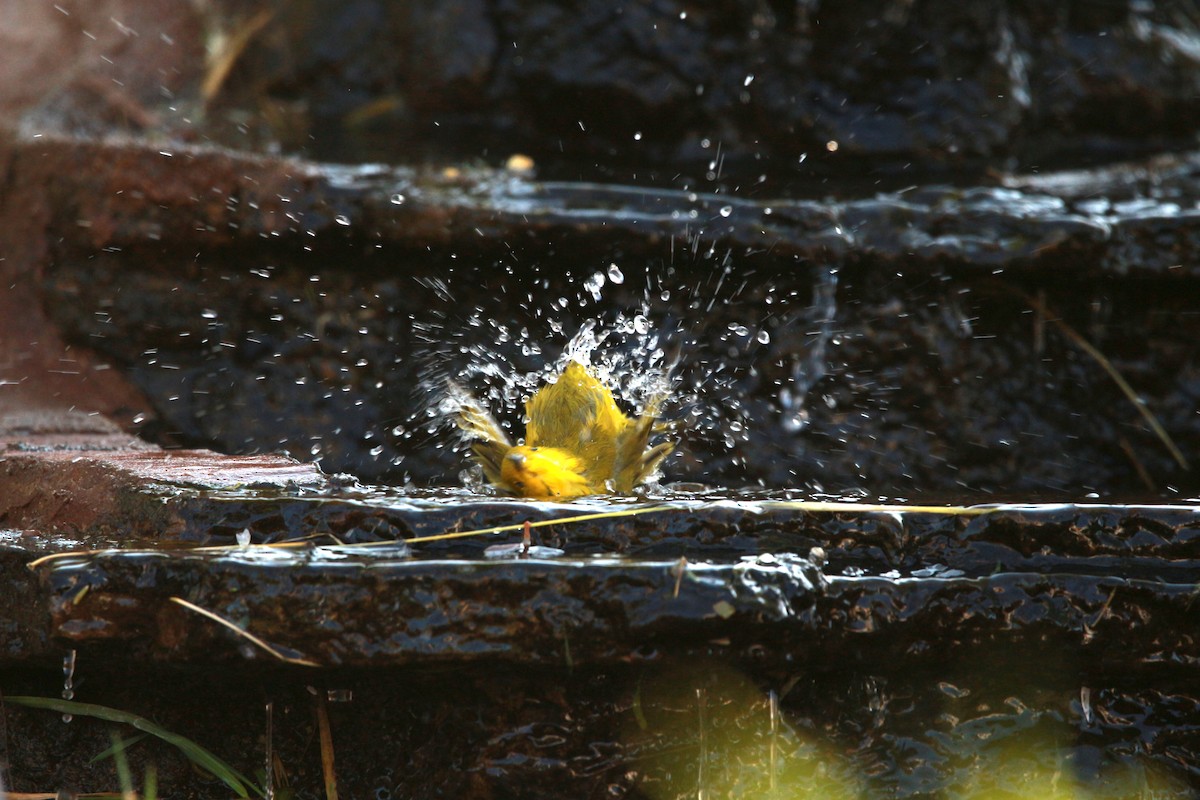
813,367
701,702
594,284
68,692
772,764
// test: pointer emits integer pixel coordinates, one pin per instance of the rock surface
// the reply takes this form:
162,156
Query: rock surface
843,216
931,341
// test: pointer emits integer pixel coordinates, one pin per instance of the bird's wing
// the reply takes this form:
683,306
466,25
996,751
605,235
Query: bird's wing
489,454
651,459
490,443
636,460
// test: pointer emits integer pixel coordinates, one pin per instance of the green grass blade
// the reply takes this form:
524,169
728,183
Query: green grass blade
150,784
110,752
235,780
124,777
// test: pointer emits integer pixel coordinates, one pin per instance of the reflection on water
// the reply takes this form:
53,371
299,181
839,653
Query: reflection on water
707,730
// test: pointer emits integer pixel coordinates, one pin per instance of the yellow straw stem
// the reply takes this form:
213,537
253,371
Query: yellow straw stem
244,634
1119,379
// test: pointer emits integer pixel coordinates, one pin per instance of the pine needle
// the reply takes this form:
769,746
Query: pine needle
1127,390
304,662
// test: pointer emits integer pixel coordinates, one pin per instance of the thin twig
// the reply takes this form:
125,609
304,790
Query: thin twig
327,769
269,759
1133,397
244,634
790,505
814,506
1142,472
223,61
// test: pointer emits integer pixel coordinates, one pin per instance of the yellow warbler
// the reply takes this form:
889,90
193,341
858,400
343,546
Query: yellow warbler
577,441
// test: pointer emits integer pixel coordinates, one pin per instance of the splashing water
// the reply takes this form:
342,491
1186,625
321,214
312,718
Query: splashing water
639,348
807,371
626,354
594,284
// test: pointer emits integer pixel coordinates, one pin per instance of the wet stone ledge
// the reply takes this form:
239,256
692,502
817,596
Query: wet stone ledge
332,609
335,574
98,194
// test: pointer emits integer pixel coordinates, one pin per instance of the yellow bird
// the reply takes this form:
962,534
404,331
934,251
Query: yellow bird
577,441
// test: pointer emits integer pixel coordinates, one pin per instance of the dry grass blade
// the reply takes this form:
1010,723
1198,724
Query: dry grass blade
269,758
37,562
327,769
520,526
821,506
791,505
1142,472
813,506
222,62
304,662
55,795
1077,338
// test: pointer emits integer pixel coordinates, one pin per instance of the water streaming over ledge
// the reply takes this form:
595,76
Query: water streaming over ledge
708,643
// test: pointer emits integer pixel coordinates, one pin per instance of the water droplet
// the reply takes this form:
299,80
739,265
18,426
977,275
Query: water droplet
398,199
726,211
342,219
594,284
615,275
68,692
763,337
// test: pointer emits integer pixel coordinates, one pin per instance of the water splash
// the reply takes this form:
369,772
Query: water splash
624,351
594,284
640,330
813,366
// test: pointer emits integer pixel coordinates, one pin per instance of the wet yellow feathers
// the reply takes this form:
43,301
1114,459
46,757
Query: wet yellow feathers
577,441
